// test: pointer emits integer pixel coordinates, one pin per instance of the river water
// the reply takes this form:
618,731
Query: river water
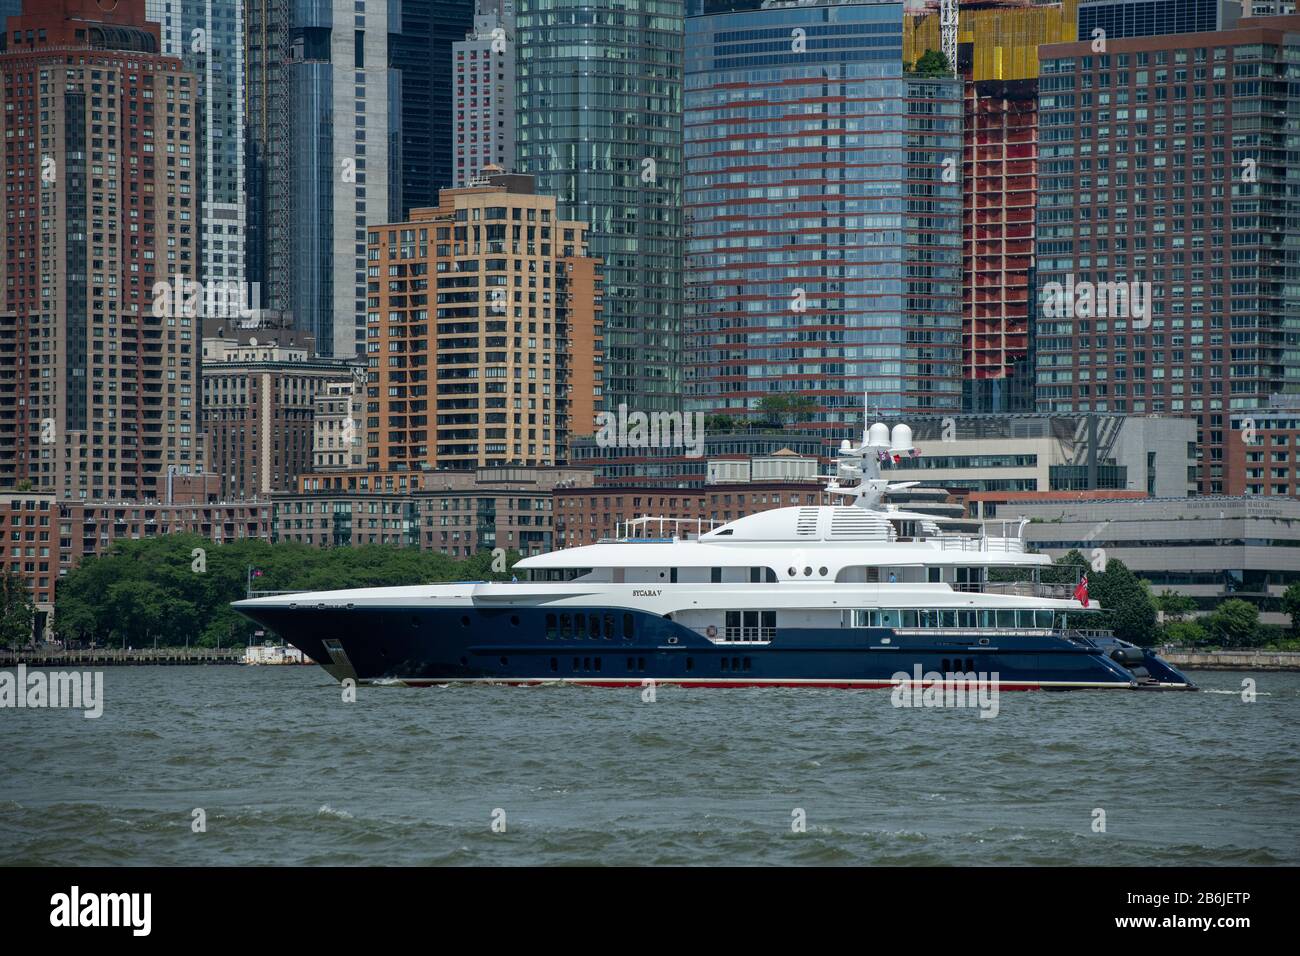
285,772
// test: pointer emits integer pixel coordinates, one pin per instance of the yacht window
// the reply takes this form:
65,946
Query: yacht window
909,618
889,617
609,626
987,619
948,619
579,625
967,618
768,618
927,618
715,575
935,575
861,619
1043,619
593,627
566,626
755,575
627,626
550,627
672,575
1006,618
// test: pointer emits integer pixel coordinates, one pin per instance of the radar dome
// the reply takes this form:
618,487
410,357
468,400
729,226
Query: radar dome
901,438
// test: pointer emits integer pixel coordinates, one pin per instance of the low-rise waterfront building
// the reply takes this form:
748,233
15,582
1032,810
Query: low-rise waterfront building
1210,548
1037,453
42,537
453,512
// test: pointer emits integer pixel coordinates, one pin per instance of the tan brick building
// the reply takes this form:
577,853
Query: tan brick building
483,332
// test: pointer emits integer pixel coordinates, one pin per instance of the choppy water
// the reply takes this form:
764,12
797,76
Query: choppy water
289,774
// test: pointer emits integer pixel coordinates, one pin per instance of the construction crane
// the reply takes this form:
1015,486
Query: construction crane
948,32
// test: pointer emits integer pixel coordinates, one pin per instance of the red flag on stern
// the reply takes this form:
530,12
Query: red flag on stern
1081,591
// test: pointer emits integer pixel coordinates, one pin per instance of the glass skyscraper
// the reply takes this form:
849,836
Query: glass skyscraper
598,123
824,219
420,43
208,37
319,94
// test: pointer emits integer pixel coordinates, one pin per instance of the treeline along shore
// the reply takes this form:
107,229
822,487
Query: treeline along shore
174,591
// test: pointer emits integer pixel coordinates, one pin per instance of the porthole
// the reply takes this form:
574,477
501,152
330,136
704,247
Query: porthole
807,572
464,621
514,620
984,641
822,572
793,572
415,621
464,662
503,661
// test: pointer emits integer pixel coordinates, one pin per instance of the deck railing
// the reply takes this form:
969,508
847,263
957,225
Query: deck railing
653,528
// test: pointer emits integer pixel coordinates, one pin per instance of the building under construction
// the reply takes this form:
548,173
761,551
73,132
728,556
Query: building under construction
997,55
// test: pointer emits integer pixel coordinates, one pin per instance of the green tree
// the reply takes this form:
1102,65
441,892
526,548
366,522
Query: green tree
1066,569
1127,608
932,63
1233,623
1175,606
721,424
773,410
1291,605
178,588
1183,633
17,610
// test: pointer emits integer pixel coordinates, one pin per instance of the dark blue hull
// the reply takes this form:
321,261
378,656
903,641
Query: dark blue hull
422,645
